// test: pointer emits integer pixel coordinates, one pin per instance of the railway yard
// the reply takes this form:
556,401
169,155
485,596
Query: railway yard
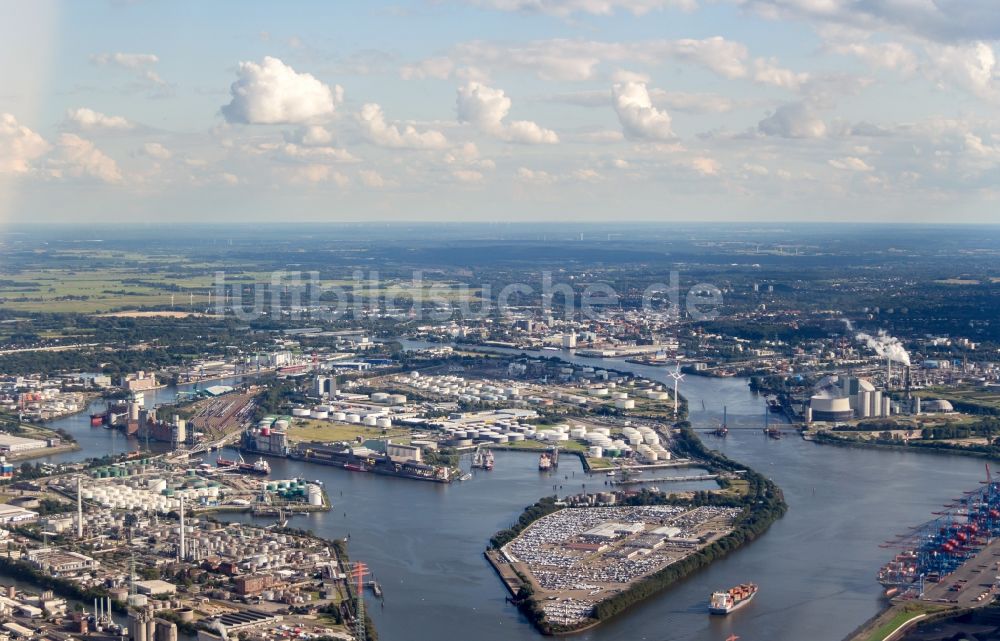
575,558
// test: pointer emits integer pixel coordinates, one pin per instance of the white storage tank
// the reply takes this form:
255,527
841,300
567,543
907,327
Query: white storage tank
371,420
625,404
397,399
339,416
353,418
595,451
300,412
383,422
380,397
320,414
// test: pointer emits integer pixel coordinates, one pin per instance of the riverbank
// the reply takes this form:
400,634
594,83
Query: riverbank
762,504
927,447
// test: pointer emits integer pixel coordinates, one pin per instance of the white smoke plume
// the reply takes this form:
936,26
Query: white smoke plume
886,346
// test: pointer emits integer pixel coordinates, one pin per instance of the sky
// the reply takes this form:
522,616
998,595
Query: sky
499,110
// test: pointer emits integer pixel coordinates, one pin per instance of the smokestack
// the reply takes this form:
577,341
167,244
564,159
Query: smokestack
79,508
888,372
907,381
181,551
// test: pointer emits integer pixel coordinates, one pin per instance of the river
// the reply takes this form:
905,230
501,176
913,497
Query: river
816,567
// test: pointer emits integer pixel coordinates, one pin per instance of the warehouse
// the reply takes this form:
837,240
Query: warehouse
15,444
15,514
60,561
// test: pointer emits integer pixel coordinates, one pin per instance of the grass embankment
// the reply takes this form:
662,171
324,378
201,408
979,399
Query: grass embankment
881,627
761,500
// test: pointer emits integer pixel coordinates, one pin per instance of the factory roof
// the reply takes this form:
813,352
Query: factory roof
155,586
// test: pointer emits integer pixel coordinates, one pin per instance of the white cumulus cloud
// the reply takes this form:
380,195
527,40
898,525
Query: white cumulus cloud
486,108
379,132
793,120
767,72
310,136
371,178
79,157
139,65
156,150
273,93
85,118
19,146
640,120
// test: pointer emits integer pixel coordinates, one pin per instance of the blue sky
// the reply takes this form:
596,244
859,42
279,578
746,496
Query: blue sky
126,111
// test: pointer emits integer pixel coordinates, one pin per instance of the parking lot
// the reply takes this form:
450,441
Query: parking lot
577,557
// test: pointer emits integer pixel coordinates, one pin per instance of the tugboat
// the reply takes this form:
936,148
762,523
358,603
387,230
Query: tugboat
544,462
724,602
96,420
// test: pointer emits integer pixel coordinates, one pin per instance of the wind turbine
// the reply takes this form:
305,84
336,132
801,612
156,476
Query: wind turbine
677,376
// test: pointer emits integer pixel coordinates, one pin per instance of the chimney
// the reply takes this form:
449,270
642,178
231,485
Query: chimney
181,551
79,508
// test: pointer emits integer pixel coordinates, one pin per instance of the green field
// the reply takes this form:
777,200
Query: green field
326,431
987,398
152,285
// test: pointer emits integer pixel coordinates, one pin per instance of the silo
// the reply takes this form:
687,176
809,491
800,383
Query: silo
875,409
864,404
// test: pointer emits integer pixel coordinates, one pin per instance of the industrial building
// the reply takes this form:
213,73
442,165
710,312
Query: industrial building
60,561
17,444
842,398
14,514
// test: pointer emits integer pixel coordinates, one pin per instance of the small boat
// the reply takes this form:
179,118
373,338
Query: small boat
771,432
723,430
727,601
96,420
354,467
544,462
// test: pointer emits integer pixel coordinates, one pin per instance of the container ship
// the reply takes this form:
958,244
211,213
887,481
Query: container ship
260,467
724,602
